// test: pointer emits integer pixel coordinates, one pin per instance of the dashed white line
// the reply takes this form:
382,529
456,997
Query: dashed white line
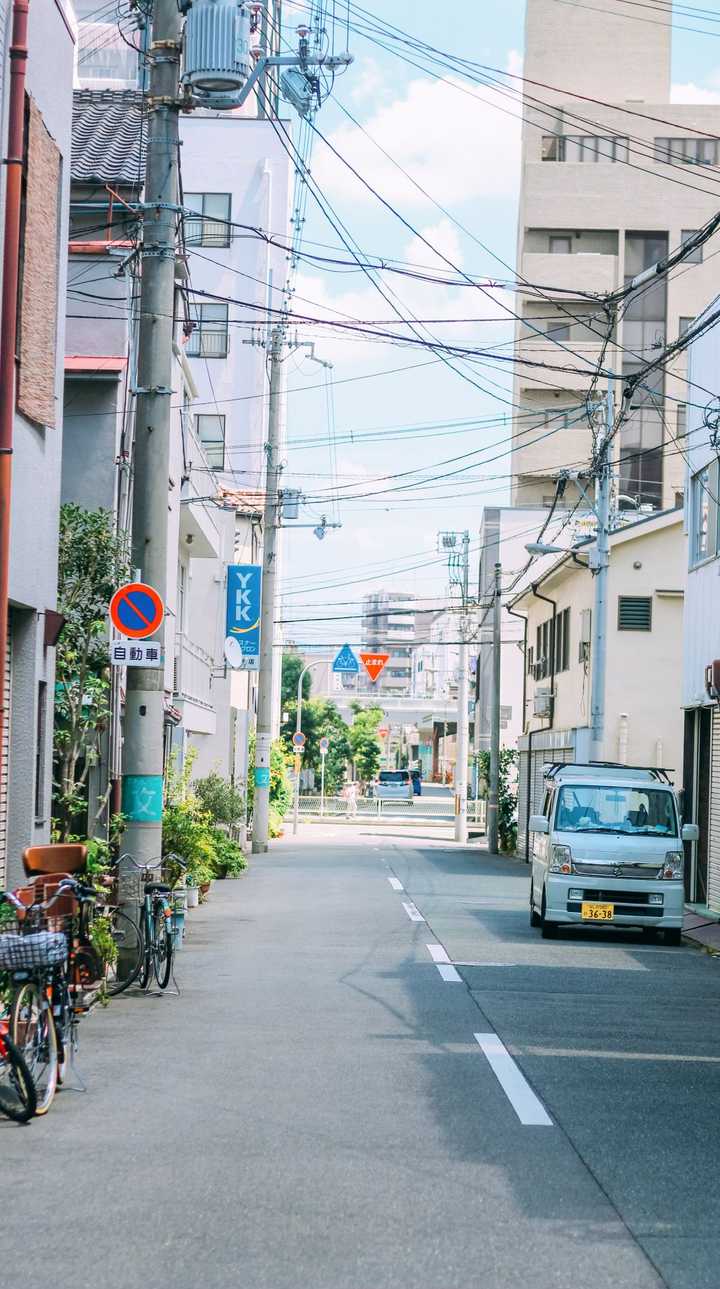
528,1108
438,953
396,885
448,972
413,913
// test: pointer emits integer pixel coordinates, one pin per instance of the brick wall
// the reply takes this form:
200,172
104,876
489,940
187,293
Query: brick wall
39,285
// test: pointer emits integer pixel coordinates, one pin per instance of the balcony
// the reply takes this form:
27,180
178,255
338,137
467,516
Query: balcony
192,684
578,360
578,272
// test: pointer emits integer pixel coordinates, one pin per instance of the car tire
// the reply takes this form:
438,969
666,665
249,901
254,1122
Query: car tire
535,919
549,929
673,935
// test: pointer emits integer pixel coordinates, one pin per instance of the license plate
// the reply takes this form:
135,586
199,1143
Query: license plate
597,912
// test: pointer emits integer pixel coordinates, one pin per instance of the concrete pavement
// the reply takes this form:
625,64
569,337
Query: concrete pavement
314,1110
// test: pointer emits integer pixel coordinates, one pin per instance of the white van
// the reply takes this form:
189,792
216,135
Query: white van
393,785
608,847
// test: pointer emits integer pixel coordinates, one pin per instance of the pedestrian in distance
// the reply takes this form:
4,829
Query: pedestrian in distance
351,801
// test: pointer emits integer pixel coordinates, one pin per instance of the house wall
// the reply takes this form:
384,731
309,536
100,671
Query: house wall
37,465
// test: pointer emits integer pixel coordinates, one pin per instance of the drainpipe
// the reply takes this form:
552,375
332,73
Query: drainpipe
9,319
553,604
514,613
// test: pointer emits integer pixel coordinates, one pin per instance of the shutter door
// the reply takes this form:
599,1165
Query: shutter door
5,773
713,895
522,802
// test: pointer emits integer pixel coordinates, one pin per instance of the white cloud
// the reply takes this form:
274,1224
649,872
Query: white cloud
691,93
454,141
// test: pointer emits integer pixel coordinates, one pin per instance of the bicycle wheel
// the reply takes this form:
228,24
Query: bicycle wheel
129,956
162,948
32,1030
18,1098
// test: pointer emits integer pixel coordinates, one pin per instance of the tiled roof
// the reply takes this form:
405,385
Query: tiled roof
109,133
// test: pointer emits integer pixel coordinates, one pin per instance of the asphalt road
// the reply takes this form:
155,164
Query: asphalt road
315,1110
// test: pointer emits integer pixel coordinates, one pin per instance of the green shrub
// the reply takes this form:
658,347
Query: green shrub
229,860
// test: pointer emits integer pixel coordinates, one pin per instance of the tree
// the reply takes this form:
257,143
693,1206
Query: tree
507,795
320,719
364,741
292,665
92,563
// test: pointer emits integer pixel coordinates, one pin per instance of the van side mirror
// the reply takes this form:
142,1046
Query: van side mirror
538,823
690,832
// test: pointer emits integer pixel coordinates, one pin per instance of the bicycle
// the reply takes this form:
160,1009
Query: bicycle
157,945
18,1098
50,964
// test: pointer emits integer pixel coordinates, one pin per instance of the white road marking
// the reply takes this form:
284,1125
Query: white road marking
396,885
528,1108
413,913
438,953
448,972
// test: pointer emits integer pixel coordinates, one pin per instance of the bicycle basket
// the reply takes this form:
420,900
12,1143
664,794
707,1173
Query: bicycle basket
38,949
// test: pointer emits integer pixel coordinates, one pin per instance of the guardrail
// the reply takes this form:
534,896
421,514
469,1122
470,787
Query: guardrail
426,808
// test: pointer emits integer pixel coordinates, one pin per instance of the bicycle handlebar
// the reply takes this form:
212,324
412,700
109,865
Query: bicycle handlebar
155,863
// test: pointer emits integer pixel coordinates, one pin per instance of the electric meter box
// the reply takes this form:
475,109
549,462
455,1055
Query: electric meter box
217,60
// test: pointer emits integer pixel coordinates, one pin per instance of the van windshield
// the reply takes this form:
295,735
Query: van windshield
615,809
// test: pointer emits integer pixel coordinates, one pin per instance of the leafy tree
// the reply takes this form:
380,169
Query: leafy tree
92,563
507,795
364,740
222,801
320,719
292,665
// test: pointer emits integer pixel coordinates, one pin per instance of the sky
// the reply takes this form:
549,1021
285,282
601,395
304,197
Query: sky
462,149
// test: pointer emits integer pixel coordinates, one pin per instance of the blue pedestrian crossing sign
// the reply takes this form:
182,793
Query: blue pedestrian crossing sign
346,662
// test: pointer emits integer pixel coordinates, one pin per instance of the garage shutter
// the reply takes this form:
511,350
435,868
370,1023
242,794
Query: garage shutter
713,895
5,773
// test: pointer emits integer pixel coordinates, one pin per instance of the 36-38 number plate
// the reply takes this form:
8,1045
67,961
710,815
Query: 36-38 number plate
597,912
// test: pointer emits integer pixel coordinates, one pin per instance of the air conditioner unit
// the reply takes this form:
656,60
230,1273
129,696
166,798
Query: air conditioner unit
542,702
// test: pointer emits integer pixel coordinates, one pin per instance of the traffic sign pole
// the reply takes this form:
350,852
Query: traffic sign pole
298,730
323,754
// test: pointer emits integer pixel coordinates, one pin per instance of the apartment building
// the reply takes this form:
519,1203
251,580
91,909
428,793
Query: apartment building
25,783
388,625
607,189
643,719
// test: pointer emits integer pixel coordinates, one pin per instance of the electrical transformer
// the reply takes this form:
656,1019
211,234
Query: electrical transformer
217,60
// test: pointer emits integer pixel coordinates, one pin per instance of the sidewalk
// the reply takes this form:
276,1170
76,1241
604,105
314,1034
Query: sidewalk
702,929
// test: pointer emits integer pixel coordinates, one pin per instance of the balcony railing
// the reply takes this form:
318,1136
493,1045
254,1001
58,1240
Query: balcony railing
193,671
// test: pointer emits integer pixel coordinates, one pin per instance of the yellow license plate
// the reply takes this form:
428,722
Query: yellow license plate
597,912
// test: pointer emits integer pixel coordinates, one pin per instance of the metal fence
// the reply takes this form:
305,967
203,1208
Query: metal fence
428,809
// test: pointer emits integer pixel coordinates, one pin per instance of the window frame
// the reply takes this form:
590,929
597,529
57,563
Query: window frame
209,444
203,221
201,327
704,501
696,256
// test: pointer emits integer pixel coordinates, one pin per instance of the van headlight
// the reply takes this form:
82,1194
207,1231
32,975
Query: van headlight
673,866
561,859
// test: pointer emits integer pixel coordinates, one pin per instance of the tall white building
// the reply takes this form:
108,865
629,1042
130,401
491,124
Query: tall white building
608,188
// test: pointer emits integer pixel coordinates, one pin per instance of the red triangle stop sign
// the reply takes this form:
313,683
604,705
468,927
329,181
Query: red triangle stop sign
374,663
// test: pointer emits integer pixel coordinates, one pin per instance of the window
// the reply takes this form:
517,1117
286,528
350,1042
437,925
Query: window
530,660
698,152
704,514
560,245
684,325
213,228
562,641
584,147
695,257
209,337
634,613
210,430
543,650
681,420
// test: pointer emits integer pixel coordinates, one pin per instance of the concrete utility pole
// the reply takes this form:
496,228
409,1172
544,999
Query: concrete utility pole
463,716
601,563
298,730
271,522
494,783
145,704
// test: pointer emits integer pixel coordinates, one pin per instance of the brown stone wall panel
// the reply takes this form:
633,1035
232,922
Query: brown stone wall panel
39,289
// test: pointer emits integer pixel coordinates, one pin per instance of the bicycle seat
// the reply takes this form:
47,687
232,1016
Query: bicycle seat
157,888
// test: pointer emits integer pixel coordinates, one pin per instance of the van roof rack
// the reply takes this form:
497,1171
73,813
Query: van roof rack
552,768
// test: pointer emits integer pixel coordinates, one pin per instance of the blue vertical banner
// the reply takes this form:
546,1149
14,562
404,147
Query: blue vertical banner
243,611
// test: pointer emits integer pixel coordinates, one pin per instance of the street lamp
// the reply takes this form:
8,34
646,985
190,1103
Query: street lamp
298,730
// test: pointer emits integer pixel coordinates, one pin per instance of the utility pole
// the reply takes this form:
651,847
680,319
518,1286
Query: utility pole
601,563
494,784
271,523
463,718
145,705
298,730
